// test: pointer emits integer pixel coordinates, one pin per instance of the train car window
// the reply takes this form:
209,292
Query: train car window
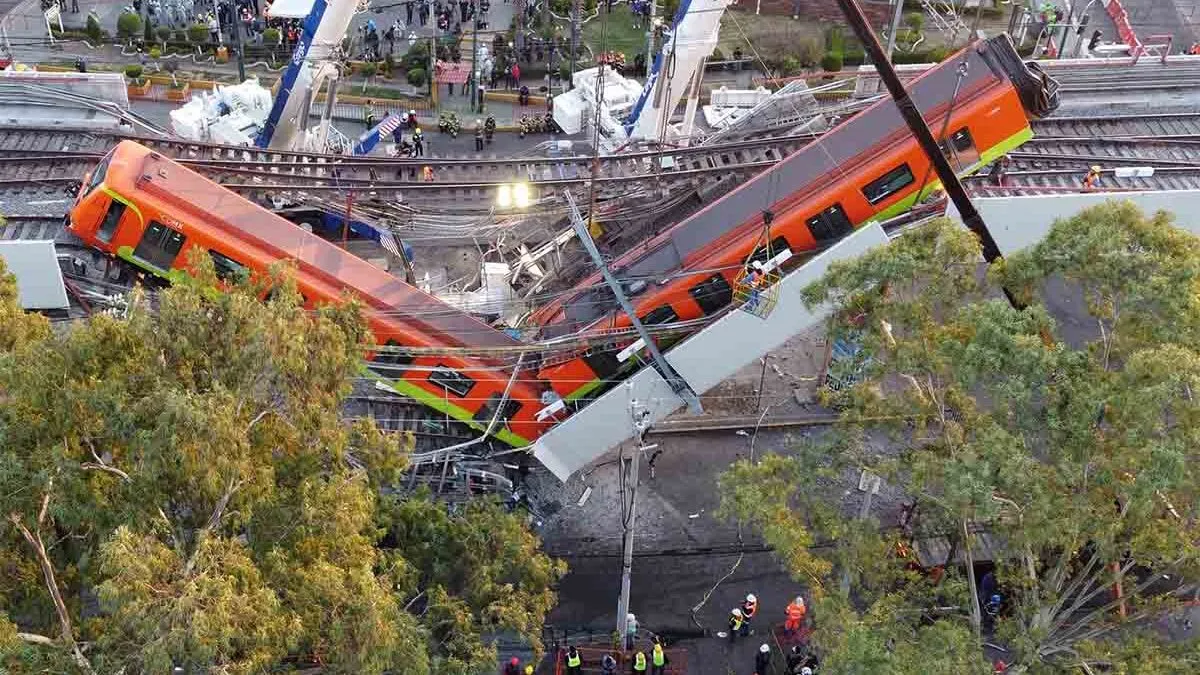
659,315
387,360
452,381
98,175
888,184
486,412
108,226
159,245
229,269
603,363
830,224
712,294
960,149
765,253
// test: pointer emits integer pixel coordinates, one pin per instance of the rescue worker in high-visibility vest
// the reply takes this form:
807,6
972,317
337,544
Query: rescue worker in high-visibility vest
574,662
639,663
749,609
795,615
529,669
658,658
735,623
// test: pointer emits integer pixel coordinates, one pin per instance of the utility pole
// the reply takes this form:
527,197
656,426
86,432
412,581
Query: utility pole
660,363
476,75
650,37
574,40
237,41
629,468
1066,29
891,46
916,124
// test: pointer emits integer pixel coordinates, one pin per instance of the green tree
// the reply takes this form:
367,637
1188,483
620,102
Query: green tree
92,28
129,24
1078,459
187,468
477,571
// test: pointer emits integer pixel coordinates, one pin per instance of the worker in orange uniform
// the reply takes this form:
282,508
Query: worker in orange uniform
795,615
427,174
749,609
1092,177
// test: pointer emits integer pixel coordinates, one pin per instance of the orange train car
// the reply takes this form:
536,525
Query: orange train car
977,102
151,212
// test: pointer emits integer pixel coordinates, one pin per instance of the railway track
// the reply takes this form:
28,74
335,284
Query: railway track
1134,152
464,183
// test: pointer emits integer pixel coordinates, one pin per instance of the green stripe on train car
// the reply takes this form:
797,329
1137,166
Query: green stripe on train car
986,157
441,405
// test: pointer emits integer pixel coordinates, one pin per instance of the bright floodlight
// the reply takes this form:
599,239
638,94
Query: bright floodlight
504,196
521,195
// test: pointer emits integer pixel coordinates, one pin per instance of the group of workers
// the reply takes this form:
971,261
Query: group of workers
741,616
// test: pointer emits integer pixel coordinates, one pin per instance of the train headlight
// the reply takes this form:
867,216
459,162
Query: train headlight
520,195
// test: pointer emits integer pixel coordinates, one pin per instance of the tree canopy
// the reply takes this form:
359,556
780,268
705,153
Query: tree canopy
1072,453
177,489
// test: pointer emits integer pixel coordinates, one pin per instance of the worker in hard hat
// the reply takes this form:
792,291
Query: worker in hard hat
762,660
418,143
1092,177
795,615
749,609
736,621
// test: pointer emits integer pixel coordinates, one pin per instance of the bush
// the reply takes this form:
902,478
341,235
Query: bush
809,52
389,65
93,29
272,36
369,69
835,40
155,53
133,72
938,54
790,66
832,62
198,33
854,57
163,33
129,24
914,20
416,77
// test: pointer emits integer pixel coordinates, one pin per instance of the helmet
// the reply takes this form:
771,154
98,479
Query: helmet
412,112
515,661
800,600
478,121
1096,168
529,669
737,612
765,648
806,671
417,131
751,599
630,617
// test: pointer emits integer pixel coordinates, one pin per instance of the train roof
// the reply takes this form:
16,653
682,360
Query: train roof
824,157
253,226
